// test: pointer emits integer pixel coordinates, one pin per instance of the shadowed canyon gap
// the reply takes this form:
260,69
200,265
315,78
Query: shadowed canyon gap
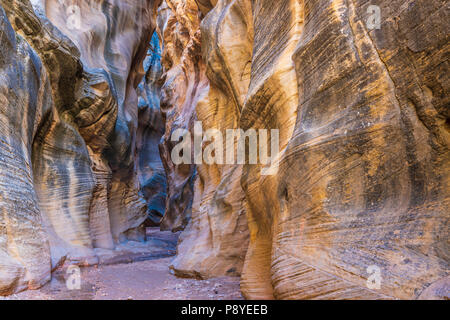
88,109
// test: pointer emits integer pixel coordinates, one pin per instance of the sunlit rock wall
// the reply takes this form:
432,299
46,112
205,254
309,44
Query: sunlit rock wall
363,118
184,85
198,87
70,117
364,180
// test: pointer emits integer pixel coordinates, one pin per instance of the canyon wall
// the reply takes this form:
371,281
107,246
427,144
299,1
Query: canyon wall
362,181
208,198
151,173
69,133
360,184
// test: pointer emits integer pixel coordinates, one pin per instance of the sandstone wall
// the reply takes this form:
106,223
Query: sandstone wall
363,169
114,36
184,84
70,117
152,177
24,95
362,179
198,87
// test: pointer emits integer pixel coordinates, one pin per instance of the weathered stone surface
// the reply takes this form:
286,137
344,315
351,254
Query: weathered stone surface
363,180
114,36
152,176
363,120
215,239
364,140
80,188
24,105
184,85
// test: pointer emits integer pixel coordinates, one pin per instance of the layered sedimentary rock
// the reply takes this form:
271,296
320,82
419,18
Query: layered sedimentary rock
113,36
356,206
363,182
70,123
24,95
380,193
152,177
198,89
184,85
362,114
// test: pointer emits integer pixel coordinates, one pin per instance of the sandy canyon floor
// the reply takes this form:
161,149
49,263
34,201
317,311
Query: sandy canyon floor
136,272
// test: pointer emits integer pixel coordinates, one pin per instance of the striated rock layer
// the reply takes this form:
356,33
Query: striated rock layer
152,176
113,36
363,119
69,126
184,83
364,179
357,204
196,88
24,95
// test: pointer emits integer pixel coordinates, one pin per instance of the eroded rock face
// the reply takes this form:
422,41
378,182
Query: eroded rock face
70,130
380,194
152,176
184,85
362,183
196,89
25,102
113,36
364,138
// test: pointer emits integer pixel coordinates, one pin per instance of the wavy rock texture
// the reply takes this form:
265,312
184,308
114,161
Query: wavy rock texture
114,36
364,139
152,176
184,85
363,122
76,145
215,239
363,179
24,96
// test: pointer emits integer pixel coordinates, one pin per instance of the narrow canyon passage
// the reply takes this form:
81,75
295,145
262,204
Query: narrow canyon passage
279,149
139,274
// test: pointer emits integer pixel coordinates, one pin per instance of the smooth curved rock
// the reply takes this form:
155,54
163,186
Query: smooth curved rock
184,85
364,146
24,103
79,139
152,176
358,208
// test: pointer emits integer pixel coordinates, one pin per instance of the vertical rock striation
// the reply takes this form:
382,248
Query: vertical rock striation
362,115
152,176
198,87
113,36
184,85
24,105
75,119
369,149
361,181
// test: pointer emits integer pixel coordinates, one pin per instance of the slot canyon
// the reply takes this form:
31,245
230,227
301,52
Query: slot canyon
92,92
